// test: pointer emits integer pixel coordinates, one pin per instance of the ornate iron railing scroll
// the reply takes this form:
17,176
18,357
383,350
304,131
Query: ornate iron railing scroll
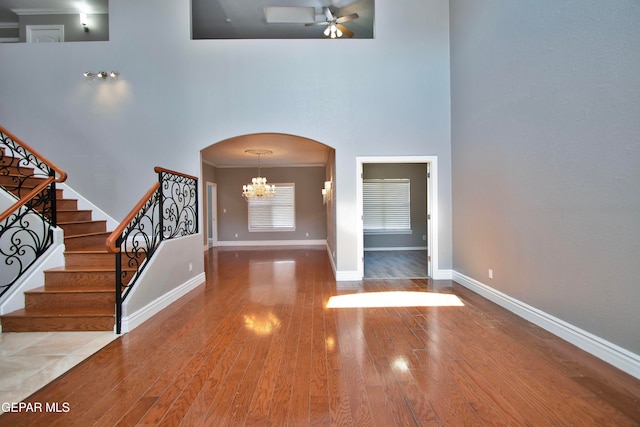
168,210
28,185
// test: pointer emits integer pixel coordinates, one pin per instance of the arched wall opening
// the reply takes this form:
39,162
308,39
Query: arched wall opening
227,165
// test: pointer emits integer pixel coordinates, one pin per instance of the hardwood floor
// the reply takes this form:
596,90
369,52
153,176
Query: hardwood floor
395,264
257,345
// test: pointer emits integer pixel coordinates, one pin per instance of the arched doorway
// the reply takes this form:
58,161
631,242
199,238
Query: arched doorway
307,163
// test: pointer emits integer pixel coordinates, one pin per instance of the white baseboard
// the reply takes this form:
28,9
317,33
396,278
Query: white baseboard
615,355
348,276
395,248
331,260
227,243
442,275
134,320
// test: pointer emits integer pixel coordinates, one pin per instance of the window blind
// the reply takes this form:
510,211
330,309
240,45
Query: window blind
386,205
276,213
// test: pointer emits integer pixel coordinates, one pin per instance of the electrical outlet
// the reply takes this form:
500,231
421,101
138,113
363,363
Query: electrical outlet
490,274
307,234
424,237
190,266
236,234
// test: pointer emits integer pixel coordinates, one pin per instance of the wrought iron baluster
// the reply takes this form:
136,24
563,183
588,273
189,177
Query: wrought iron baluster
169,211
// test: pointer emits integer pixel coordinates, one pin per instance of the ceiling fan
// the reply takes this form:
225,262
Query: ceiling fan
334,24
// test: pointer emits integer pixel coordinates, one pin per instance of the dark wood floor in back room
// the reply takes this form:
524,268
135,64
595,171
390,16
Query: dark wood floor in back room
258,346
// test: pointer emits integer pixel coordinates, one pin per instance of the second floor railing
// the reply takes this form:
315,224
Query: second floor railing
28,185
169,209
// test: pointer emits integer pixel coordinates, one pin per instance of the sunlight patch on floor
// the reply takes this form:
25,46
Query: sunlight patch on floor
394,299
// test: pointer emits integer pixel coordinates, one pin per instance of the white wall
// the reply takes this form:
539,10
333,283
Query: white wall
386,96
546,156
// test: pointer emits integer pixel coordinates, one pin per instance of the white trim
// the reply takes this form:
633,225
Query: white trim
611,353
30,28
322,242
9,25
9,40
432,201
442,275
348,276
331,260
21,12
132,321
396,248
84,204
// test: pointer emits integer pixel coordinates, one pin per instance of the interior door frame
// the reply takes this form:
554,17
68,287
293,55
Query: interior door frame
432,206
212,214
31,29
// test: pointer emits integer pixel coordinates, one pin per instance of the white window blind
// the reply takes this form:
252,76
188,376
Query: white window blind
387,205
276,213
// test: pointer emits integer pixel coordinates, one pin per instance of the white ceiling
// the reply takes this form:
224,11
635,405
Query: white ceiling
46,7
223,19
245,19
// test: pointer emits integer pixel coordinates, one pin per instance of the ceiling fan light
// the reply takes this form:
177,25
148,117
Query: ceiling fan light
327,31
338,32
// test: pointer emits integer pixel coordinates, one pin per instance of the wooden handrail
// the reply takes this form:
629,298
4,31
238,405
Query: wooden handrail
23,200
113,237
62,175
159,169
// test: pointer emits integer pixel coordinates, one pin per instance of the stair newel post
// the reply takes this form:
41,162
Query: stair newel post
118,285
161,206
52,196
197,208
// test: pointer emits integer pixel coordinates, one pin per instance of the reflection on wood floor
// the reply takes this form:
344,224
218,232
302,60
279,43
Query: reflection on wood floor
395,264
257,346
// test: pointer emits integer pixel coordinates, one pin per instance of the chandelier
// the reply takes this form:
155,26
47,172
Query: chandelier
258,188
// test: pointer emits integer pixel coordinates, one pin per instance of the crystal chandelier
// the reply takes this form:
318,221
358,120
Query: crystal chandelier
258,188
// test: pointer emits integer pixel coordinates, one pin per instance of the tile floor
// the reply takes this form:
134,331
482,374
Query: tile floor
30,360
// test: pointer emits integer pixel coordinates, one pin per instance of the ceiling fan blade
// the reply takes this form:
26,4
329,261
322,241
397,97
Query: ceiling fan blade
327,13
345,31
347,18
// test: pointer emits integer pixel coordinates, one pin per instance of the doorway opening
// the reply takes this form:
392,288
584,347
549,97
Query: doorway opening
212,213
395,236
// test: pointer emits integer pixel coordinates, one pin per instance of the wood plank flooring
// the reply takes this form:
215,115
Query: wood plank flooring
395,264
257,346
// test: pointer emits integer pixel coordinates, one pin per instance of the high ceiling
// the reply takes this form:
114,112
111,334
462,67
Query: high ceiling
248,19
229,19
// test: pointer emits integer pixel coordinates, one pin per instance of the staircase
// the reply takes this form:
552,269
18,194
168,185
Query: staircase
79,296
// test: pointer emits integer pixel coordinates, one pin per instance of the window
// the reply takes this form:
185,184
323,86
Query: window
387,206
276,213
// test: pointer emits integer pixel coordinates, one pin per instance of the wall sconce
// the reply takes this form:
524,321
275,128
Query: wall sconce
84,22
326,192
102,74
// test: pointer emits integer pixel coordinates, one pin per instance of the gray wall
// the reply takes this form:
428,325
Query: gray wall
416,172
232,207
175,96
546,156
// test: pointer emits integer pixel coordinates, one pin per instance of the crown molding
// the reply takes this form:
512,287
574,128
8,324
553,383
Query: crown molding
22,12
